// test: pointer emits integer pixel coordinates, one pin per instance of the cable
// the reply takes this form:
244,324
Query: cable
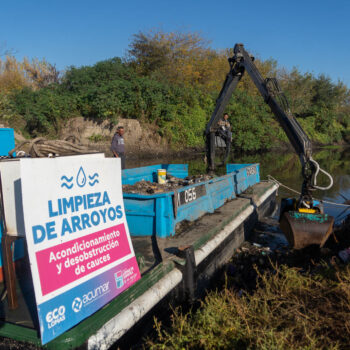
271,178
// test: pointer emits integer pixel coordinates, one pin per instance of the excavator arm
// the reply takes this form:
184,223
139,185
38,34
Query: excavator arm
269,89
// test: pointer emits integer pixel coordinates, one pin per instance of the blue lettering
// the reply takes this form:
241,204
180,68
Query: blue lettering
85,204
95,218
50,229
103,213
111,214
59,206
76,223
38,229
68,203
106,198
78,201
51,212
65,227
118,209
85,221
97,203
90,200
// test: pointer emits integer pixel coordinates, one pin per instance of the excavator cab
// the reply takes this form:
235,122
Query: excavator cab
302,220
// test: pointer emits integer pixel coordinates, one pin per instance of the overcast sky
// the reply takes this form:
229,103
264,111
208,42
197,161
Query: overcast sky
312,35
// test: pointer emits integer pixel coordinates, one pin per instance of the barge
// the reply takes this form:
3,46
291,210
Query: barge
175,268
181,239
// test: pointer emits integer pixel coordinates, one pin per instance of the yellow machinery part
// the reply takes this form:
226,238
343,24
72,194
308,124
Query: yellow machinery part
307,210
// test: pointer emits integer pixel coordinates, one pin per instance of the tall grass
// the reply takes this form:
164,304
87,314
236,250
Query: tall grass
288,310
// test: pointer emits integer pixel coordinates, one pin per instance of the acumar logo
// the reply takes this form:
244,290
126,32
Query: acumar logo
90,297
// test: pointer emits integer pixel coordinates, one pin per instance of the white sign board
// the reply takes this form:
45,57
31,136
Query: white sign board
78,240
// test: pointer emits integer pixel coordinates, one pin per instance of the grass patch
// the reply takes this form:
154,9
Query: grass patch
99,138
287,310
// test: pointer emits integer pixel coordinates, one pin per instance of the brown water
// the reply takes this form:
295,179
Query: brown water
285,167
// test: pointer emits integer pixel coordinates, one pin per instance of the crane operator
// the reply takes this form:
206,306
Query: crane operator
225,133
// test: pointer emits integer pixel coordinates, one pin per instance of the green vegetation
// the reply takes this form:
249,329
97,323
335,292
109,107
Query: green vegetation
288,310
172,81
98,138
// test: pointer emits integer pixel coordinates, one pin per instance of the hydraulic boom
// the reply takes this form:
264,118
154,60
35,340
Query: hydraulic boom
269,89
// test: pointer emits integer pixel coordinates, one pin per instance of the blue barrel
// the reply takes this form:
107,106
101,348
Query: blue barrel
7,141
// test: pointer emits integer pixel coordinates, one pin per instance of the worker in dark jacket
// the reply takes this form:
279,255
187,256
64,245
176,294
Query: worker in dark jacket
225,133
117,146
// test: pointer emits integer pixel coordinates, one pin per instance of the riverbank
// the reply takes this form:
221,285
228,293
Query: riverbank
145,140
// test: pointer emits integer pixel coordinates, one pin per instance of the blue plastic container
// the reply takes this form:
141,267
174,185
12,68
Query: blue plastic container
158,214
7,141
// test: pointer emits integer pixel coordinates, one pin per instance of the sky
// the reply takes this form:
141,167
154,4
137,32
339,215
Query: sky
313,36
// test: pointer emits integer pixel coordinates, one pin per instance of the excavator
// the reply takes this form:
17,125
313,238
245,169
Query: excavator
302,219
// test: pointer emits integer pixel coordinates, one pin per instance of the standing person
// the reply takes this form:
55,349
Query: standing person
117,145
226,134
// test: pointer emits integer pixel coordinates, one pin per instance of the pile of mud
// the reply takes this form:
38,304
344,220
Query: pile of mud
172,183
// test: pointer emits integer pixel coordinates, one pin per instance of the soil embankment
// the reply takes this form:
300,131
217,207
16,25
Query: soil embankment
140,139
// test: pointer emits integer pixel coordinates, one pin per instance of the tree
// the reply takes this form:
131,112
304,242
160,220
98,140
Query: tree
16,75
326,94
179,58
12,75
40,73
298,89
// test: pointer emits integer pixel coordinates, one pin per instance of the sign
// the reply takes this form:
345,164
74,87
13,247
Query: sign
78,240
251,170
191,194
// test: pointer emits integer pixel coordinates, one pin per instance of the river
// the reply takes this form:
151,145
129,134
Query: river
285,167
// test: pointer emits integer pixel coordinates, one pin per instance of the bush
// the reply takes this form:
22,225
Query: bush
6,108
43,110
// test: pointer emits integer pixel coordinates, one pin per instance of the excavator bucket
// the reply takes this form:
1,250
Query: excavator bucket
304,229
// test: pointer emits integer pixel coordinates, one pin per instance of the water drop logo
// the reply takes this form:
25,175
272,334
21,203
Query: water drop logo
93,179
81,177
67,182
